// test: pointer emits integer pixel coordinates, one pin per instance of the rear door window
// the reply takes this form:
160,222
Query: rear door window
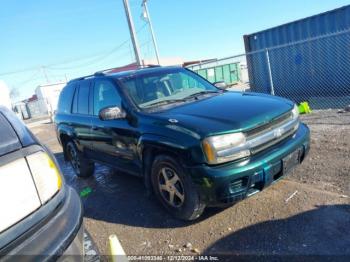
83,98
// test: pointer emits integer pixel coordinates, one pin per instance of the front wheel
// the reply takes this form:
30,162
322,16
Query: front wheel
82,166
174,189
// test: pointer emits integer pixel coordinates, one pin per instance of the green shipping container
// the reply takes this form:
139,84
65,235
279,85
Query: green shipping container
202,72
228,73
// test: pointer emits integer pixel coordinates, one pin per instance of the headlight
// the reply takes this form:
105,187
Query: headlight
46,176
295,111
224,148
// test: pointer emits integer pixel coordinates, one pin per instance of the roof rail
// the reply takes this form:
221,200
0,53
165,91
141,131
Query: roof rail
99,74
87,76
140,66
102,72
79,78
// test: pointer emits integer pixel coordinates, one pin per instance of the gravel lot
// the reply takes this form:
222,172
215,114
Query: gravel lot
328,165
314,221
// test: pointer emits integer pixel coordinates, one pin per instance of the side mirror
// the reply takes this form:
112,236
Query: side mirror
111,113
220,84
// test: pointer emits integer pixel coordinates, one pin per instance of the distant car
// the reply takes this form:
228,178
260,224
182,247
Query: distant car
40,214
196,145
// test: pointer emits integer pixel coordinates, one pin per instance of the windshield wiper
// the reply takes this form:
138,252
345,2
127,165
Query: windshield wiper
165,102
201,93
170,101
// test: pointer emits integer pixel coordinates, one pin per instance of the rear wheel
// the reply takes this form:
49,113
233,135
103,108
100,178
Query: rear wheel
174,189
82,167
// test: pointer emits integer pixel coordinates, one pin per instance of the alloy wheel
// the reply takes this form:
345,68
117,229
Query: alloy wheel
74,160
171,187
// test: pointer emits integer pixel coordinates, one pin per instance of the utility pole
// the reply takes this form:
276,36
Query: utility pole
132,32
44,72
144,4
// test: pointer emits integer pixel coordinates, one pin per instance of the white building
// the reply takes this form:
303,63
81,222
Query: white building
49,94
5,95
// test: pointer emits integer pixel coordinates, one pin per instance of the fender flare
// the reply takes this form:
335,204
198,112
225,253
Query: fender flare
158,143
64,130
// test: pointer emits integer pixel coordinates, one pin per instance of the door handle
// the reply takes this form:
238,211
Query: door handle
94,127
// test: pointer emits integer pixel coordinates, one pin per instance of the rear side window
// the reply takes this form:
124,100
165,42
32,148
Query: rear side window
105,94
81,99
75,101
65,100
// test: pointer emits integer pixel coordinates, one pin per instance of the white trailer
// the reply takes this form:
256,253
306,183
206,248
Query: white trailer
49,95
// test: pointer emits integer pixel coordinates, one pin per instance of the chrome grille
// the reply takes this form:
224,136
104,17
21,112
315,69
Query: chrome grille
261,138
271,133
270,125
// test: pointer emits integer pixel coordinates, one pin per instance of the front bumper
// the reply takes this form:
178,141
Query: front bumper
59,235
231,182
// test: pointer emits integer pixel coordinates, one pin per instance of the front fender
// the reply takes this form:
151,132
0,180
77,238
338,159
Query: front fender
161,143
152,144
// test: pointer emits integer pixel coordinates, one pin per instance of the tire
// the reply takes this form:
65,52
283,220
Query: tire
174,189
82,167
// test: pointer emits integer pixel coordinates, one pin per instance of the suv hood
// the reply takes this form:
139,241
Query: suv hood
227,112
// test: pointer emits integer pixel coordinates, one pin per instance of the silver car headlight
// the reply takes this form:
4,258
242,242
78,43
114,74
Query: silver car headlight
224,148
295,112
295,115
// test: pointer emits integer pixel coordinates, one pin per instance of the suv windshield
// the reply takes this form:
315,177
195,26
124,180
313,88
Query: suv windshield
166,87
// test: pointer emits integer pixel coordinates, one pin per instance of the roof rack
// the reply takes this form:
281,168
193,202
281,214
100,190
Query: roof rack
87,76
103,72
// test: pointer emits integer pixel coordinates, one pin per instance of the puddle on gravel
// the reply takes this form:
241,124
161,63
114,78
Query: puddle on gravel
102,180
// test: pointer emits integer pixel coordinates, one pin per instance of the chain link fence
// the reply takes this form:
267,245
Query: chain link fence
316,70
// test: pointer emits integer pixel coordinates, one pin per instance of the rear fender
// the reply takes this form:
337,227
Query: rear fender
64,131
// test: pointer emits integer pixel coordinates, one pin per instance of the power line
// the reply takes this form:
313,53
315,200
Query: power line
100,58
92,61
34,77
31,78
124,54
104,55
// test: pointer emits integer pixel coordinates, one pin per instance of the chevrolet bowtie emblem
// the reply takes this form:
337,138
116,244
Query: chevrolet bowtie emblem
278,132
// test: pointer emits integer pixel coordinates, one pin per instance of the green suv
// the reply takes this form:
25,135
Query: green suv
194,145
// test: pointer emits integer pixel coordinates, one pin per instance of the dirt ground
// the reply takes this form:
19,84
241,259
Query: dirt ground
328,165
308,213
